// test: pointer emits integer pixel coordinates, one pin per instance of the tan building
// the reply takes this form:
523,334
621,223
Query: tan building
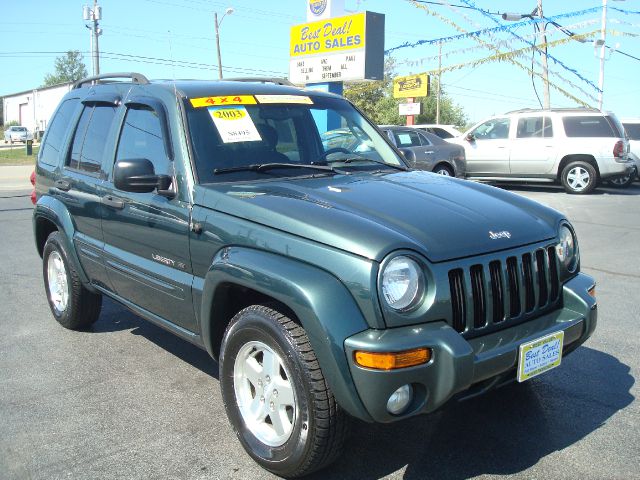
33,108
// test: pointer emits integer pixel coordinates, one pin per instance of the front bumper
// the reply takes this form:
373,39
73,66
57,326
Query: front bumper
458,365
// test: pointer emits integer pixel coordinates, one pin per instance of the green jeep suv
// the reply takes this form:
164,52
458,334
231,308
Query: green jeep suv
328,283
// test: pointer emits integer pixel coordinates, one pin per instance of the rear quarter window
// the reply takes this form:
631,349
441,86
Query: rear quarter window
592,126
57,132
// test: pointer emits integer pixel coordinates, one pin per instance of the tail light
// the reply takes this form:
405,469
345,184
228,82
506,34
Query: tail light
618,149
32,178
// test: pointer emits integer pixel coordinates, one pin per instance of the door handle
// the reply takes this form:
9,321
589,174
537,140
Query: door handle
428,152
112,201
63,185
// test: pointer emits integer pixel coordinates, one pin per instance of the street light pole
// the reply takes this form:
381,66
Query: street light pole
229,11
94,15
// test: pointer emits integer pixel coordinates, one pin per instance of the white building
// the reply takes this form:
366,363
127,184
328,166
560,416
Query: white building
33,108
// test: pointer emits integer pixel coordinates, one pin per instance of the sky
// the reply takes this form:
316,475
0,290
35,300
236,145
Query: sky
176,39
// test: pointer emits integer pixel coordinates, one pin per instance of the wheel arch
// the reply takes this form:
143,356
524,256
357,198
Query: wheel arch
239,277
51,215
578,157
445,163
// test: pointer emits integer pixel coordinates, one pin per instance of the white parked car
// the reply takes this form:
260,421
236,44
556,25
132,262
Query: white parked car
17,134
632,127
443,131
577,147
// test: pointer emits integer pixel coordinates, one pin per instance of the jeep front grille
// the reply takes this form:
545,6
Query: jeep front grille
503,291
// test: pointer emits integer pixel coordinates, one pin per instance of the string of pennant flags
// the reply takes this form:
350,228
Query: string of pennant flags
509,59
552,30
555,60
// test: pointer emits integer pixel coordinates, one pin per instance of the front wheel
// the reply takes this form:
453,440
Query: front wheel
579,177
276,396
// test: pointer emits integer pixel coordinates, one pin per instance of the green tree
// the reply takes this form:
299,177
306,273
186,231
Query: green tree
375,99
68,68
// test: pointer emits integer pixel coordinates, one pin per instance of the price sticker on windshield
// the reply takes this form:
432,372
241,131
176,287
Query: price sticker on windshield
223,100
234,124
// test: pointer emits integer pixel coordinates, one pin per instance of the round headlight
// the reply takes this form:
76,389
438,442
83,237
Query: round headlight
402,283
567,249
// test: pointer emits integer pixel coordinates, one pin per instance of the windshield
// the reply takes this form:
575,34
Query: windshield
633,130
282,129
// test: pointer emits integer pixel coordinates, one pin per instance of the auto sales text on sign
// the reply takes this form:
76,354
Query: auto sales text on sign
328,36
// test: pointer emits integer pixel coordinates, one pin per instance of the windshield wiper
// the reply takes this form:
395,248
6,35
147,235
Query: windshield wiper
260,167
365,159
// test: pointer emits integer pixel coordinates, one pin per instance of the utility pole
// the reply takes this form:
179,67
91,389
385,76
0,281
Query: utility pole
439,82
603,47
93,15
545,67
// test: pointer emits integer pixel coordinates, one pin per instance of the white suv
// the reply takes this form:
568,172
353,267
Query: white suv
577,147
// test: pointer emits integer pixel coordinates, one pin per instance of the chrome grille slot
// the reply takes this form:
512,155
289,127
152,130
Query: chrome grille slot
477,290
527,273
497,291
514,287
541,268
553,274
456,284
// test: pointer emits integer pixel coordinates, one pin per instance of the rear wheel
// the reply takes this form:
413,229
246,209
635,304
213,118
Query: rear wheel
579,177
623,182
275,394
72,305
443,169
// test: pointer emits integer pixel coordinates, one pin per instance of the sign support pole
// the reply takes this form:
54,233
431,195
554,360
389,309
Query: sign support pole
410,118
331,120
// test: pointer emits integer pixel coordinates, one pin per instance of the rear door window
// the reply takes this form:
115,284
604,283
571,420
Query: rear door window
57,131
407,139
89,140
588,126
534,127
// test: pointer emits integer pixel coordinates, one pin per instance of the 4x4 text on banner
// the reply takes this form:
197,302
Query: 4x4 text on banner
338,49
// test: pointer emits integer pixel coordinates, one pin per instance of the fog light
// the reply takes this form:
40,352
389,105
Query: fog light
400,400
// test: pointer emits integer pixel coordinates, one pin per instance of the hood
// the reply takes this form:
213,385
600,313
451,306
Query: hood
373,214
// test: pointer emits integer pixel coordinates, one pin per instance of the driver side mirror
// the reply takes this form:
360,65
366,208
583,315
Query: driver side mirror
470,137
137,175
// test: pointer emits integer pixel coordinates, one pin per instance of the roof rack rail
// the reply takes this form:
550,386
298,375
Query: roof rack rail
276,80
135,78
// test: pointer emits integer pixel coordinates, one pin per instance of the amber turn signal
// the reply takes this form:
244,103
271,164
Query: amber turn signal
392,360
592,291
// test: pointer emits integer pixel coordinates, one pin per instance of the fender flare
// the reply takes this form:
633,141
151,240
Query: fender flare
54,210
324,307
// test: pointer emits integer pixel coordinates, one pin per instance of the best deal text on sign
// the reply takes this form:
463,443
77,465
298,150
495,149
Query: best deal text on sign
338,49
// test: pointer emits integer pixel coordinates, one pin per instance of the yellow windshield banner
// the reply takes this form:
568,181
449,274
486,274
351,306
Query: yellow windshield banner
328,36
284,99
223,100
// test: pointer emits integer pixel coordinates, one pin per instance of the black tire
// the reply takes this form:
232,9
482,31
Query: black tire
82,307
623,182
443,169
579,178
318,425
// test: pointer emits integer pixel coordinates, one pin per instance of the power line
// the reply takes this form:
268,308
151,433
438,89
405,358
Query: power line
447,4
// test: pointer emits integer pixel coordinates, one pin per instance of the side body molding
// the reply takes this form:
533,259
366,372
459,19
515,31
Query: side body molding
323,305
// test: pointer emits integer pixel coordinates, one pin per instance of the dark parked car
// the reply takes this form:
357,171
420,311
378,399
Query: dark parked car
328,282
426,151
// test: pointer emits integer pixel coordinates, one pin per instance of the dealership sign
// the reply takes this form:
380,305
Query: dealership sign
411,86
338,49
410,108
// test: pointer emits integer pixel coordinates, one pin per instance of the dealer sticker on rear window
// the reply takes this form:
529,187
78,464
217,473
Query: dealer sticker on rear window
234,124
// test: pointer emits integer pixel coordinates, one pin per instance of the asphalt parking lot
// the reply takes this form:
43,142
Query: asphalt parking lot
128,400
